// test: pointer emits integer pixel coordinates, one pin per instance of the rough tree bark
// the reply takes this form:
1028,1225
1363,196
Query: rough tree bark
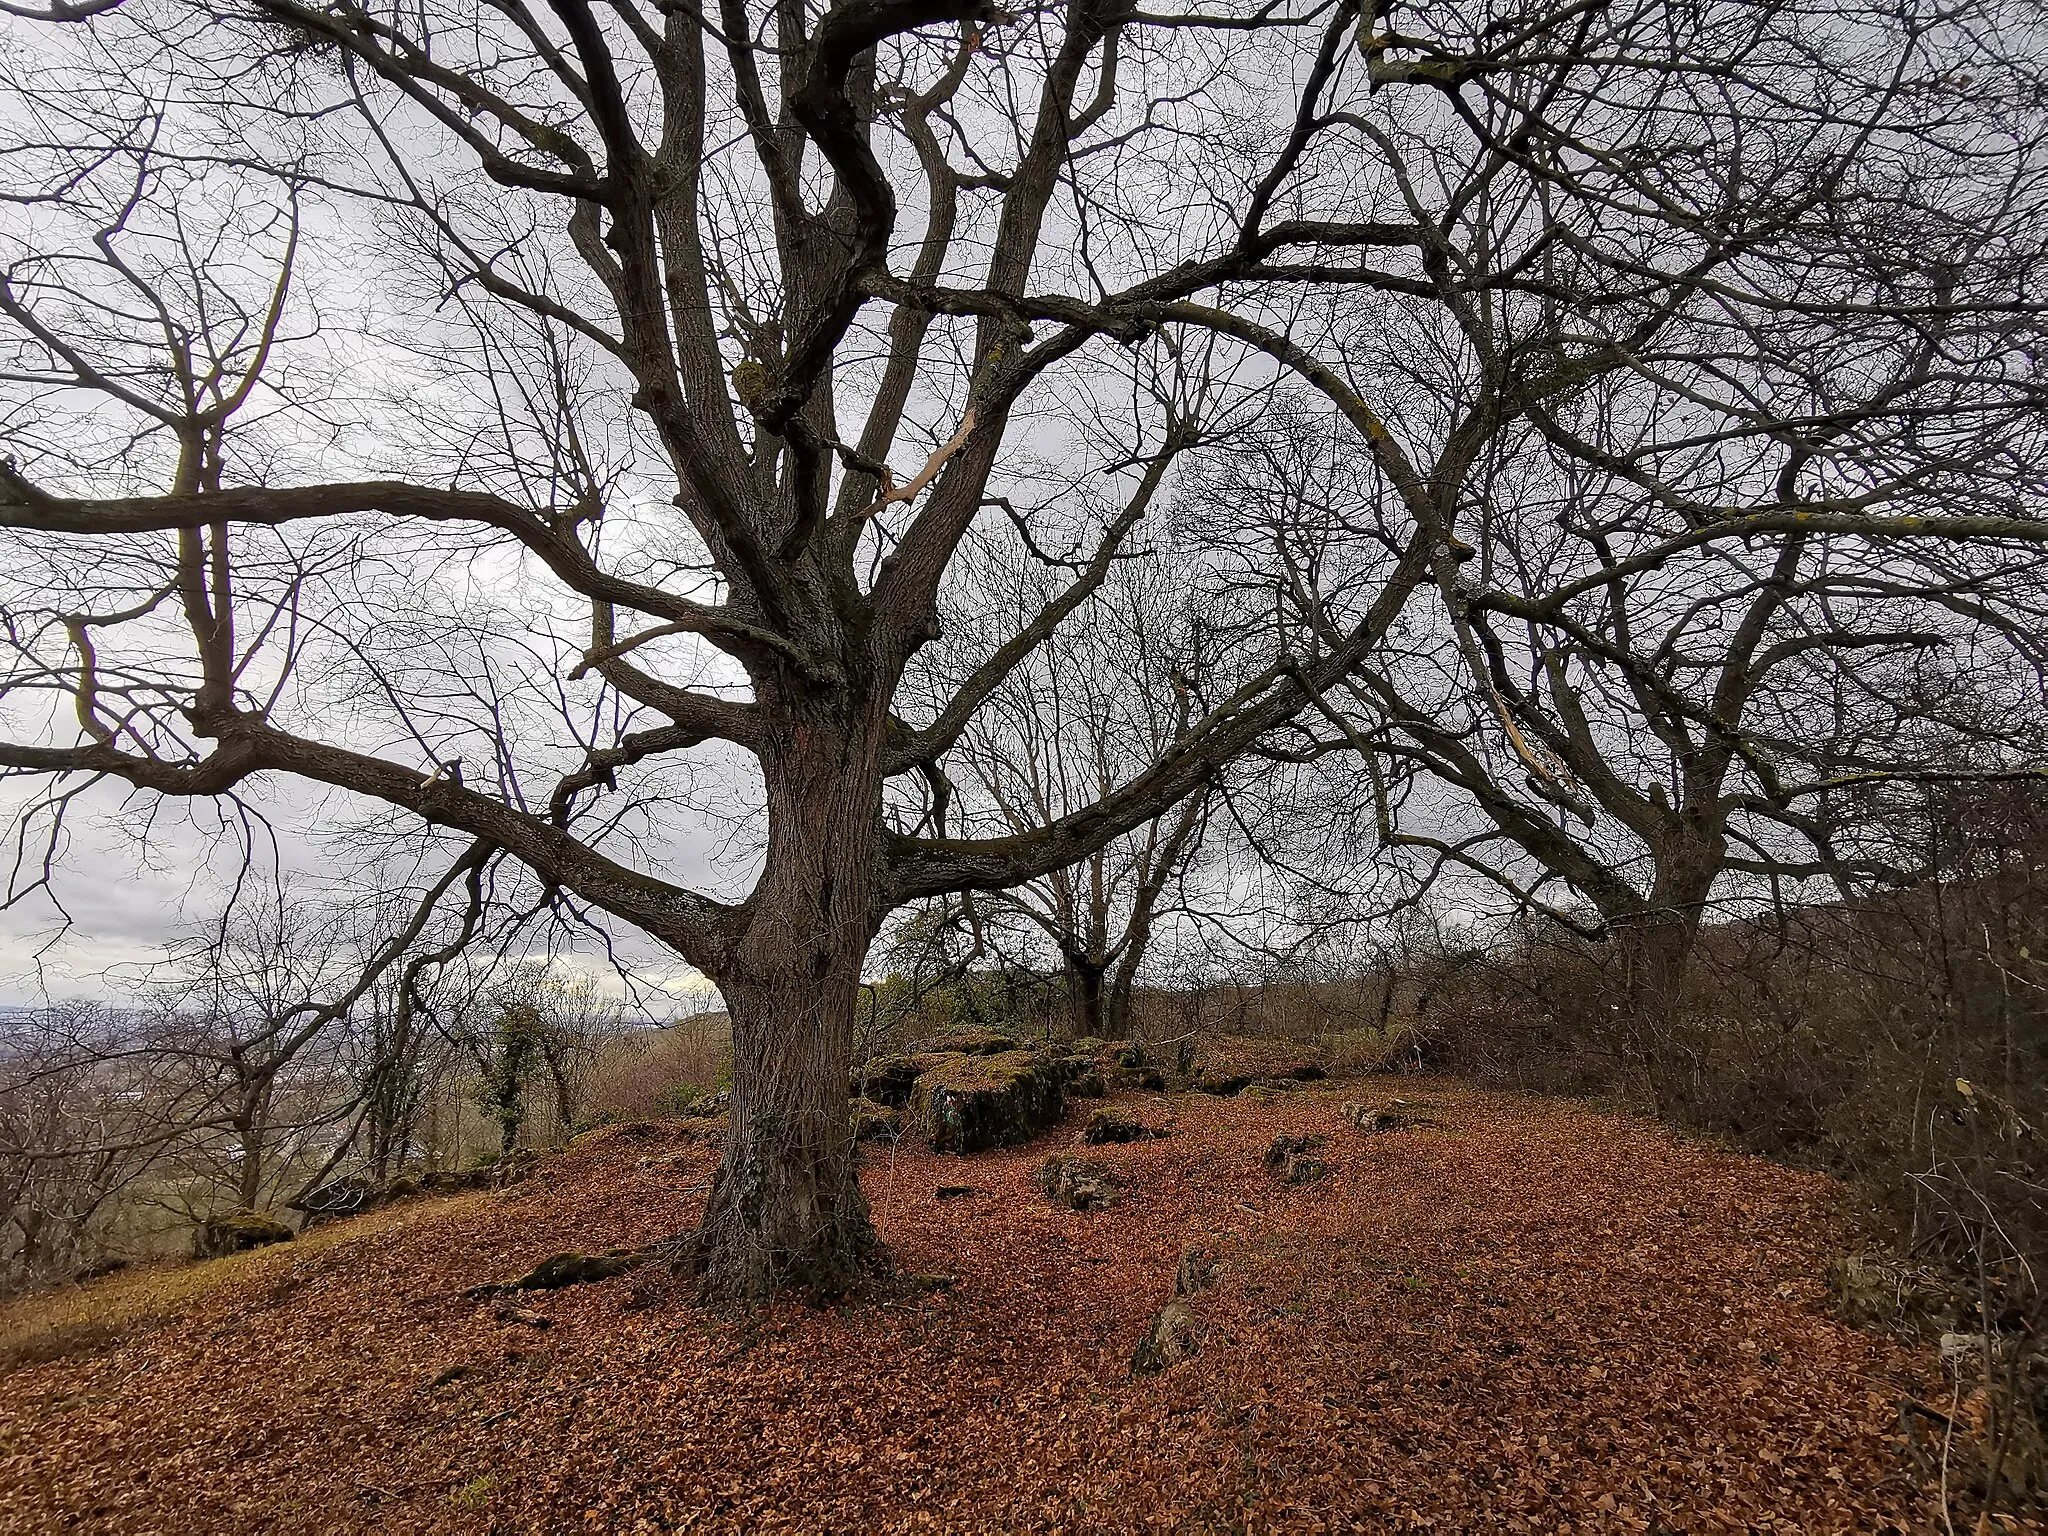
786,1208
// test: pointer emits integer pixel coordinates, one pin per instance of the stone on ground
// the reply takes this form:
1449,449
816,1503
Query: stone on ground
1172,1338
1394,1115
1291,1159
1078,1184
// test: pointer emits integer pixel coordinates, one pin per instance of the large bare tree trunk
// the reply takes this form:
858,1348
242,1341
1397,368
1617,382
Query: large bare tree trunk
786,1209
1655,946
1084,997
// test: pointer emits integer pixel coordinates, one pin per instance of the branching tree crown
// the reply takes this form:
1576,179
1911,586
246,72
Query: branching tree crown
668,354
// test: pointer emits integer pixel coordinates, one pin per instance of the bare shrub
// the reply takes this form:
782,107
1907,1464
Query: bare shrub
1897,1037
639,1074
84,1116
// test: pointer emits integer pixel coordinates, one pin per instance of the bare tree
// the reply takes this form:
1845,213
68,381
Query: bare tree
1095,705
669,251
237,1024
86,1118
254,1015
1760,305
652,265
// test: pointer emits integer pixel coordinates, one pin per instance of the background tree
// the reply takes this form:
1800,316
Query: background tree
86,1118
1091,708
536,1028
1773,469
509,1053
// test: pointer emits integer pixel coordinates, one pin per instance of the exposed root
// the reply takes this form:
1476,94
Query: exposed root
565,1269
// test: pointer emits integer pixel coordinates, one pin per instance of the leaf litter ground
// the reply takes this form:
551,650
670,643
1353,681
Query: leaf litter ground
1527,1317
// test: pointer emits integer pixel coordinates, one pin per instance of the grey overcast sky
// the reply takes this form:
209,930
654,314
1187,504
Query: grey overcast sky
133,872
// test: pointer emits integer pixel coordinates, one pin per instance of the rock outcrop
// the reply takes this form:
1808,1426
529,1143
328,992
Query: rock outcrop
1084,1077
237,1233
973,1103
353,1194
1106,1127
968,1040
874,1121
888,1079
1228,1064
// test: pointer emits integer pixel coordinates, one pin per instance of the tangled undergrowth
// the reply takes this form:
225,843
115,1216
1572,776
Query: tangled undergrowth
1525,1316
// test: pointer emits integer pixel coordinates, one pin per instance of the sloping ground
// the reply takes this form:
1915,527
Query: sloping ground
1530,1318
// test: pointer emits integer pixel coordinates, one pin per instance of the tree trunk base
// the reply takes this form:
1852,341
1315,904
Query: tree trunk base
784,1219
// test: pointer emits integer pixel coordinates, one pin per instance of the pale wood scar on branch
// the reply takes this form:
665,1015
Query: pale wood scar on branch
908,490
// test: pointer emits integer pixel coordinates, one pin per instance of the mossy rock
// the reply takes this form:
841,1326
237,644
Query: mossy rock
1134,1080
337,1198
496,1173
889,1079
450,1181
1118,1066
355,1195
610,1127
1084,1076
238,1233
1271,1090
972,1103
969,1040
873,1121
1106,1126
501,1172
1227,1064
1285,1146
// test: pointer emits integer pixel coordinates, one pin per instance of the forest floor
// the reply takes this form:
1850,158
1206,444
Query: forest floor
1529,1317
